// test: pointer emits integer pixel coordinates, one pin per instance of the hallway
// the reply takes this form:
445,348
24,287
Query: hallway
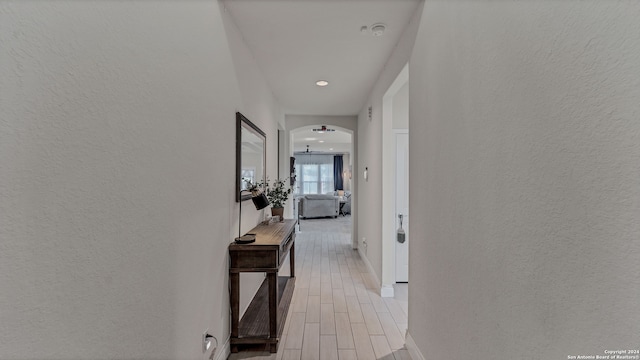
335,312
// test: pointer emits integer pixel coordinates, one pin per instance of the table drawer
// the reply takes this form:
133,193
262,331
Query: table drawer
286,246
255,259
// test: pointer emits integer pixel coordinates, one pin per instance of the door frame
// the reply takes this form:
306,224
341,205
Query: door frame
397,132
388,184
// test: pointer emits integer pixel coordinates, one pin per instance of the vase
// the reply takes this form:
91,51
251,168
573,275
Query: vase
279,212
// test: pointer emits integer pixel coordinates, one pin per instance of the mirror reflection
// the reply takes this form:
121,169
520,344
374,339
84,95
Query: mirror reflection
251,156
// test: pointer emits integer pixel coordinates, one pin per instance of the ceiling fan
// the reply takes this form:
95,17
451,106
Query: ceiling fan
323,129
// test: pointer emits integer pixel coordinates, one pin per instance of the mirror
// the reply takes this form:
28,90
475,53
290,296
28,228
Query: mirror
251,155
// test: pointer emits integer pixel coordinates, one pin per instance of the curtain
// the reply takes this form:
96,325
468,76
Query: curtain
317,159
337,172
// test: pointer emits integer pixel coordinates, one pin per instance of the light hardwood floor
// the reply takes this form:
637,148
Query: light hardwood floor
336,311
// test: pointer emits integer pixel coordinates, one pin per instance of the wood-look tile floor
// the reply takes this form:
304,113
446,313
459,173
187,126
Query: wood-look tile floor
336,312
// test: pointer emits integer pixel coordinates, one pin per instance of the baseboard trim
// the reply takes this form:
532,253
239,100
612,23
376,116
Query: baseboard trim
413,348
387,291
384,289
369,266
224,352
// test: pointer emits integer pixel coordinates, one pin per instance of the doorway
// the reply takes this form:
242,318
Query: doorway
395,200
314,146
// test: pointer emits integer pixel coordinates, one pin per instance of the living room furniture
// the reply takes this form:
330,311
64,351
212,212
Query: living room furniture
342,201
345,201
319,205
263,321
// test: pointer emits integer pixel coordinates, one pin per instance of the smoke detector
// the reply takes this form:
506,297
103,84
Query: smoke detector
378,29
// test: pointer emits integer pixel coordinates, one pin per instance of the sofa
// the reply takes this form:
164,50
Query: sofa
319,205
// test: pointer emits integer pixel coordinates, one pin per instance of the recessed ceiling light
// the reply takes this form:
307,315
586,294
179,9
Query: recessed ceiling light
322,83
321,141
330,148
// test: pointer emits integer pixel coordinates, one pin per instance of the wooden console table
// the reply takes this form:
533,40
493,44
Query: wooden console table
263,322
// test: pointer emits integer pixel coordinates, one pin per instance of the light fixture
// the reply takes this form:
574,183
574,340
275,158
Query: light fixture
321,141
322,83
378,29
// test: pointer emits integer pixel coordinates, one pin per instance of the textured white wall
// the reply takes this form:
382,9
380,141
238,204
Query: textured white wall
259,105
525,201
117,138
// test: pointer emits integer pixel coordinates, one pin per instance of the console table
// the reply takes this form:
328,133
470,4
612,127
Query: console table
263,322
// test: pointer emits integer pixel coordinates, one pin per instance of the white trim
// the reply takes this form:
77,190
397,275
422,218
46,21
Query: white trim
225,351
413,348
388,271
385,290
369,266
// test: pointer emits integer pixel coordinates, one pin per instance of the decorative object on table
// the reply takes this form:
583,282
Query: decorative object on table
260,201
277,193
246,239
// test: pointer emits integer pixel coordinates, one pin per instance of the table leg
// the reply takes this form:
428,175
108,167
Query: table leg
292,258
273,308
234,279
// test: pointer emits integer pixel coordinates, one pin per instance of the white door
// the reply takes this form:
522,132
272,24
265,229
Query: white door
402,205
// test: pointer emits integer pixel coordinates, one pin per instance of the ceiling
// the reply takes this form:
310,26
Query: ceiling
297,42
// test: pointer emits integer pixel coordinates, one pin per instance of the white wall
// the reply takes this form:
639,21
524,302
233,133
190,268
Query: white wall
525,145
117,137
370,138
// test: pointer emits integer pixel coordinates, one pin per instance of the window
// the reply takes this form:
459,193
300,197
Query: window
314,174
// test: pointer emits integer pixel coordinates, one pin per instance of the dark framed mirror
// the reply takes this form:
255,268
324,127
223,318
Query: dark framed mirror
251,156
